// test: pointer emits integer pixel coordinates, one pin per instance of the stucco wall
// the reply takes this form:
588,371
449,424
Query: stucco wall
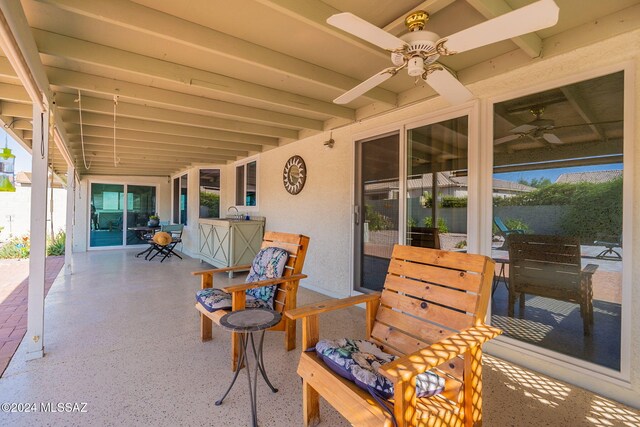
17,205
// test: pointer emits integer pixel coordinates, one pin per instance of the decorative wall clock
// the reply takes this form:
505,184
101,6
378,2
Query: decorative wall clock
294,175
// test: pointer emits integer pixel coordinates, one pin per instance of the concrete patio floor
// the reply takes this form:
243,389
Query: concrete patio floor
122,337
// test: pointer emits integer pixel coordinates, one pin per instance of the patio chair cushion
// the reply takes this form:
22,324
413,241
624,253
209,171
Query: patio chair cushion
216,299
359,360
268,264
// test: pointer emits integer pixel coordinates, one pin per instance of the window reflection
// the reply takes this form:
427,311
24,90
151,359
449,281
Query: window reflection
557,219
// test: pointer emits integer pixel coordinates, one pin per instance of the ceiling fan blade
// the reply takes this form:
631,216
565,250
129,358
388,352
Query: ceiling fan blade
365,30
536,16
551,138
447,86
522,129
365,86
505,139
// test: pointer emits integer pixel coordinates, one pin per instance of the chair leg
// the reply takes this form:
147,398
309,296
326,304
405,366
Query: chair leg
310,405
512,303
522,295
289,334
205,328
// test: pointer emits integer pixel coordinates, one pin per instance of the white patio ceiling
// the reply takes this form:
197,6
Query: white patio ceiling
213,81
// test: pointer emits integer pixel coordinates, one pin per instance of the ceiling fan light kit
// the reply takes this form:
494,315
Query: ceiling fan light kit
418,50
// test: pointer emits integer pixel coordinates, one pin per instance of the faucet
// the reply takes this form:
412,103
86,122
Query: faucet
236,215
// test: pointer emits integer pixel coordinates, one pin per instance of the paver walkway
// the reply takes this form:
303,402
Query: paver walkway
14,283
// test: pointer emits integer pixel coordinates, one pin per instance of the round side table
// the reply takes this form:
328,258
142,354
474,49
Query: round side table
245,323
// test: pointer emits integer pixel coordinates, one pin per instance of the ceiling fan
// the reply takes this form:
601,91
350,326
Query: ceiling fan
541,128
418,50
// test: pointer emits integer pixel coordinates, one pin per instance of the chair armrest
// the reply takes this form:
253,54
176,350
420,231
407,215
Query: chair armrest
410,365
221,270
260,283
589,269
330,305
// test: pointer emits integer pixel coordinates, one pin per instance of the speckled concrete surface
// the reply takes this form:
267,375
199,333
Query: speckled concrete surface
122,337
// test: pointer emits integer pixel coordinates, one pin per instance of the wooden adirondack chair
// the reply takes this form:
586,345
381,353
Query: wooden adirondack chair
286,294
431,314
551,267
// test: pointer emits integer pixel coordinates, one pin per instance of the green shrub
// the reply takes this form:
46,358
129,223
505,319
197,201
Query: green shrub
411,222
376,220
17,247
442,224
453,202
55,246
212,201
517,224
595,211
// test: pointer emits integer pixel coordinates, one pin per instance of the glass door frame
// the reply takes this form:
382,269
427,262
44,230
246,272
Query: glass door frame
472,111
124,213
561,366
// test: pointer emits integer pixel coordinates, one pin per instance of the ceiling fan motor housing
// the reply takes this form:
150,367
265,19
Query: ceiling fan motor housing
421,51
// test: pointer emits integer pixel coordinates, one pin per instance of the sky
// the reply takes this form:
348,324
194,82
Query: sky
553,174
23,158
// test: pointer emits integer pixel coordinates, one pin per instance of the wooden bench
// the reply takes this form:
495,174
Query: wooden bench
285,297
430,314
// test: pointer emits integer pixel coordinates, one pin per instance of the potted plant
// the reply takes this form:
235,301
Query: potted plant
154,220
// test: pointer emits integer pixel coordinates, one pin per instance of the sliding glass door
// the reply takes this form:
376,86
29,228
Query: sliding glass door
106,215
114,209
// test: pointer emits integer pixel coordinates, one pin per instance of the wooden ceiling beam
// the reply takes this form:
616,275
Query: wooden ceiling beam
62,80
93,151
530,43
125,123
125,14
67,102
8,108
161,139
84,52
579,104
142,146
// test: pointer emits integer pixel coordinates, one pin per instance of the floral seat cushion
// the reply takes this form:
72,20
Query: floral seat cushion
216,299
359,360
268,264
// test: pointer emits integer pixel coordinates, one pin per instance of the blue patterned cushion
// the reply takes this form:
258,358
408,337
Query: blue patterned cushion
359,360
216,299
268,264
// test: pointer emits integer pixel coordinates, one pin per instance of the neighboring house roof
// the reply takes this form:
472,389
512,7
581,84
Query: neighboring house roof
24,180
445,180
592,177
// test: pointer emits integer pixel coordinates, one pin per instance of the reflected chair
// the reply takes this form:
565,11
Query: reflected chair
162,246
271,283
421,363
550,266
609,252
424,237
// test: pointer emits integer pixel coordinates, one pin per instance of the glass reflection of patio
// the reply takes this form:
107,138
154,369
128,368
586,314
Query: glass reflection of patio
557,325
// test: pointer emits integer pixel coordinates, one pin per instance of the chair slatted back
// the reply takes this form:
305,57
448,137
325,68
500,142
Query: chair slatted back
425,237
296,245
429,295
174,229
545,261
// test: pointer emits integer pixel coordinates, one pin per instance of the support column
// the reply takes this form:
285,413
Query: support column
71,196
39,171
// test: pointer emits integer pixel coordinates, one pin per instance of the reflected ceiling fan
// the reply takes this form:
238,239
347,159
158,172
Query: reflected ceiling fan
541,128
418,50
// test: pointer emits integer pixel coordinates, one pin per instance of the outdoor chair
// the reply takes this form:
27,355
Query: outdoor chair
424,237
272,282
421,362
550,266
161,245
609,252
505,231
